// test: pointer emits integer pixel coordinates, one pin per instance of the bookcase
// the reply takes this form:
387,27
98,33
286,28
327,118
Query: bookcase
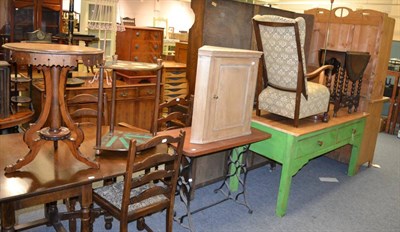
30,15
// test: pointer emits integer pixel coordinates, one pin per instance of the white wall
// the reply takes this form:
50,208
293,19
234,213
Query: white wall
179,14
77,5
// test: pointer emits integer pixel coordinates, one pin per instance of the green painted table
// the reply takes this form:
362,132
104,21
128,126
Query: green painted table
294,147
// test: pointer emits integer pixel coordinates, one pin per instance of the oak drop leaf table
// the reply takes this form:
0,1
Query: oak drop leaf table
55,60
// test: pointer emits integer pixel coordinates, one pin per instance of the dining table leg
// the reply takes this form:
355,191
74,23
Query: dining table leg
7,217
86,202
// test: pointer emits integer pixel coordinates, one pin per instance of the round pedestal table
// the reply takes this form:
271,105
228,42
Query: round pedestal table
55,60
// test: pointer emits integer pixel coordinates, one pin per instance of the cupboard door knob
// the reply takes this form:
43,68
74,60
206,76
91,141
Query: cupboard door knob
320,143
136,58
138,33
137,46
354,131
155,46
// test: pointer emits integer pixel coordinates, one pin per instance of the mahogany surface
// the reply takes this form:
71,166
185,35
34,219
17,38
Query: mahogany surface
53,175
196,150
20,117
55,60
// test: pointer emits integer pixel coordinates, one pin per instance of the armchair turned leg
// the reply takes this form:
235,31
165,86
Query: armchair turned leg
325,117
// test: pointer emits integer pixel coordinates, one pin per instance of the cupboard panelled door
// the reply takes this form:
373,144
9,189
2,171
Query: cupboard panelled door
224,93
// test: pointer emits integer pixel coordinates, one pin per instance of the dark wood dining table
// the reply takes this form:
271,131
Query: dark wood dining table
55,175
52,176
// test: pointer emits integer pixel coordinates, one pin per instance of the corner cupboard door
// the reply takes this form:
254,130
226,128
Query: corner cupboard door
232,94
224,97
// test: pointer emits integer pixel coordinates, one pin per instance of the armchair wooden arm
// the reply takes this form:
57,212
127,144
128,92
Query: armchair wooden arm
318,71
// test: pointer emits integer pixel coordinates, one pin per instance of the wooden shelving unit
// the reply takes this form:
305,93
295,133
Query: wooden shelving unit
30,15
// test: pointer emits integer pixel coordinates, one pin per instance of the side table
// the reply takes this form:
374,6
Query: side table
55,60
117,140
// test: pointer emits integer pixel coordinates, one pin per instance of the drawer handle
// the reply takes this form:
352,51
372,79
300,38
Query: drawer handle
155,46
320,143
215,97
137,46
150,92
138,34
354,131
136,58
123,94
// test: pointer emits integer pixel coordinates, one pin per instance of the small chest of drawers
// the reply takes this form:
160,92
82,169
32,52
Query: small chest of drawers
139,44
174,80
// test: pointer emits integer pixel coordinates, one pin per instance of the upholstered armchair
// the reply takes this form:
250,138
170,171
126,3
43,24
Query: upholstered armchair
287,89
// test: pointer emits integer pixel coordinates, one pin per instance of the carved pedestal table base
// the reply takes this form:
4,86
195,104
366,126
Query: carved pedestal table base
55,60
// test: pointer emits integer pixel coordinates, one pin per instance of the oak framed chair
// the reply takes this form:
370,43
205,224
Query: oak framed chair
143,193
287,90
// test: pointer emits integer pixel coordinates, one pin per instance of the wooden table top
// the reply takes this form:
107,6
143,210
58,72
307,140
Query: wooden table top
20,117
54,54
195,150
173,64
51,169
61,49
131,65
306,125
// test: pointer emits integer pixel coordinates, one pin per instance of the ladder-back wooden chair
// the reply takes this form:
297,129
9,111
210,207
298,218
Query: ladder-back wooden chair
80,111
287,91
83,115
144,193
176,113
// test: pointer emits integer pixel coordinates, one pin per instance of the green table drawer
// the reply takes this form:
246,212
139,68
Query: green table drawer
316,143
348,131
